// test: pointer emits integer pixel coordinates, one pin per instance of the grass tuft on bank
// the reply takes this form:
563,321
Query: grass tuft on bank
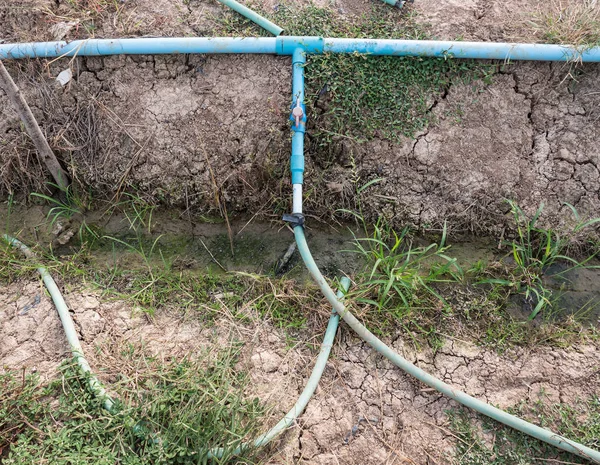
169,412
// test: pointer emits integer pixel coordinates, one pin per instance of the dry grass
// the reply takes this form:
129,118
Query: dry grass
569,22
72,122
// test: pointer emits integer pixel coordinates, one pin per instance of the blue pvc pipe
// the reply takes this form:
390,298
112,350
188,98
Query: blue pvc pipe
145,46
298,64
457,49
297,158
253,16
310,45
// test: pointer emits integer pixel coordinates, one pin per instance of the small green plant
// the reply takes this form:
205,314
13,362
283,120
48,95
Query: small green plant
69,204
535,250
137,211
400,279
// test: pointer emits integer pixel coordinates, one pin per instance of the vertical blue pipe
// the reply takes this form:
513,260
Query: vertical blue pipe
297,158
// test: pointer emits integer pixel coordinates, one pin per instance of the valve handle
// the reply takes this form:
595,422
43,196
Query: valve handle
297,112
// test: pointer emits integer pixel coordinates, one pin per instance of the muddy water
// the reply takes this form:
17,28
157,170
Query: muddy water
258,247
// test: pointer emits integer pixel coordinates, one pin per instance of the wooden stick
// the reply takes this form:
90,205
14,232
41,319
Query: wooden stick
33,129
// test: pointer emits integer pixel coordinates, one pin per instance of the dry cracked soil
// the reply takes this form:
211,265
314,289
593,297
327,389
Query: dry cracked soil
365,410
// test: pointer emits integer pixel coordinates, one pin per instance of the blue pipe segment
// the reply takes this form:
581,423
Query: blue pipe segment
144,46
309,389
311,45
253,16
457,49
298,124
68,325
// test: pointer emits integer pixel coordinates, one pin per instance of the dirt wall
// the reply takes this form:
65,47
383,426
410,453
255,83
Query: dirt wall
174,128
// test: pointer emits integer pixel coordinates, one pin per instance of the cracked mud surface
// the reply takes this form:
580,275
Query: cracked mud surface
531,133
365,410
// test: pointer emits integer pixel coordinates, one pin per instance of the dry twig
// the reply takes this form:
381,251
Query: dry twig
33,129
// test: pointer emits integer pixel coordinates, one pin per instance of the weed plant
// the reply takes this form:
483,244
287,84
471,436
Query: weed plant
69,204
400,281
535,250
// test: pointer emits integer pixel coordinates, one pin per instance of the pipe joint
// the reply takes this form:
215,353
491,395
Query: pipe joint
287,45
295,219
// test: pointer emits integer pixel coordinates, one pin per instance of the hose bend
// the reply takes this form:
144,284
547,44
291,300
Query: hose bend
465,399
310,388
99,391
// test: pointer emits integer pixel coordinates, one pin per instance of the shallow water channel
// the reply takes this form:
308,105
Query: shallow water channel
201,244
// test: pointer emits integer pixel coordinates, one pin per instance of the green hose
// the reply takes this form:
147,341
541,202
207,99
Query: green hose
99,391
254,16
67,323
309,389
481,407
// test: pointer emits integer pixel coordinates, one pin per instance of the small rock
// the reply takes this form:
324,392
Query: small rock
57,228
65,237
64,77
89,302
91,324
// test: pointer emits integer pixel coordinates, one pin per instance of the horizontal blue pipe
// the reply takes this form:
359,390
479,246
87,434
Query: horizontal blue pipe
146,46
311,45
457,49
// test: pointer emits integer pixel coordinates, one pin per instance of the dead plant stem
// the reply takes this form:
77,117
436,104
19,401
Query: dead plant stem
33,129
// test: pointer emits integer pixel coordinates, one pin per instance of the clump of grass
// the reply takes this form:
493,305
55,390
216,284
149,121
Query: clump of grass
580,421
169,413
420,288
535,250
400,281
567,22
